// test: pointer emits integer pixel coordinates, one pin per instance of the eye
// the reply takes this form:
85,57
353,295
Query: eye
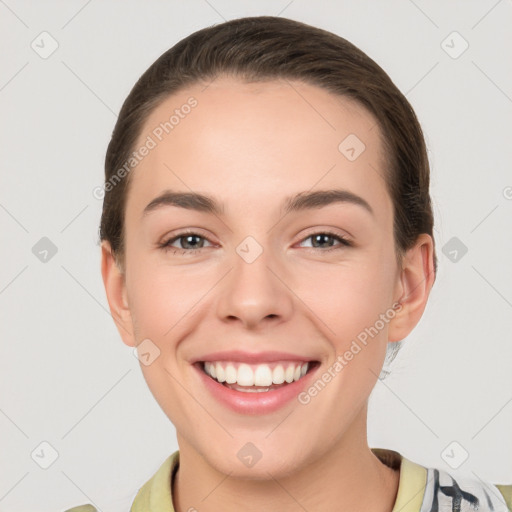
188,241
191,241
322,237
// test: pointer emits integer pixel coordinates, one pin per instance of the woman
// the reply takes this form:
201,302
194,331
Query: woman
266,242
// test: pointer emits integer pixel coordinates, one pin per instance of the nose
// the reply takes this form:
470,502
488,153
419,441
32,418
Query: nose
255,294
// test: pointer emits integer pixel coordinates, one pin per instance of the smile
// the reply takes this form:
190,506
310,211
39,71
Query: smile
255,377
252,388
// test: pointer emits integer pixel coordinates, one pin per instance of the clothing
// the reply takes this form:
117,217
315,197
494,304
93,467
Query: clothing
420,489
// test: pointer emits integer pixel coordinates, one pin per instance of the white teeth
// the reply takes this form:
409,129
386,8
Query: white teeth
278,374
288,374
231,374
248,389
221,374
245,376
256,375
208,369
263,376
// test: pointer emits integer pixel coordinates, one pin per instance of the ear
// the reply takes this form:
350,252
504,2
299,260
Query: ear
413,288
115,288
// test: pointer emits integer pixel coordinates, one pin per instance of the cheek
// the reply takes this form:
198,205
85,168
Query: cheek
161,308
346,298
352,308
154,301
165,300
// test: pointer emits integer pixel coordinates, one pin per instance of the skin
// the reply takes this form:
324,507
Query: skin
250,146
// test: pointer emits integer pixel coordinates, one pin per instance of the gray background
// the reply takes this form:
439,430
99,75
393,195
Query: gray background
67,379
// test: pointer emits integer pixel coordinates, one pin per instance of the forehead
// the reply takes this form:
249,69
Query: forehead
246,143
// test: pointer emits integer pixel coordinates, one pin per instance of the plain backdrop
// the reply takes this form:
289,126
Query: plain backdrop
72,396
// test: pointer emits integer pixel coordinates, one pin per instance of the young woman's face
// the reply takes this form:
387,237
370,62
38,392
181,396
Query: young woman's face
272,285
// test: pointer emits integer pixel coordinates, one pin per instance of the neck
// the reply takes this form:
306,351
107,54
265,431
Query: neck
347,477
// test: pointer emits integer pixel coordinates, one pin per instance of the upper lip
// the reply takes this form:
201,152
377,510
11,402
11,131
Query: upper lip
251,357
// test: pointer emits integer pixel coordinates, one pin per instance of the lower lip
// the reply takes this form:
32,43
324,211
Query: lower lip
254,403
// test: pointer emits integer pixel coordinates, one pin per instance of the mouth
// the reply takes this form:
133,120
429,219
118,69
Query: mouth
256,378
252,388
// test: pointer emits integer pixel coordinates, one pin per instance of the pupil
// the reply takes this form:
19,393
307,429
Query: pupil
321,236
188,238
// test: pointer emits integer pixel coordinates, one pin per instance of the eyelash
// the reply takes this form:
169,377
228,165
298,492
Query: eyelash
166,246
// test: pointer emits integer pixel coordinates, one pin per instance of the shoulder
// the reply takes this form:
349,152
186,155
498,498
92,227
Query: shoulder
155,494
429,489
446,491
506,491
442,491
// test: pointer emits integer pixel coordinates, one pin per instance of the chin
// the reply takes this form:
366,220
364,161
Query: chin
247,462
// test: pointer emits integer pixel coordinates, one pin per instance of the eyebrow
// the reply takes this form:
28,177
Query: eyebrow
299,202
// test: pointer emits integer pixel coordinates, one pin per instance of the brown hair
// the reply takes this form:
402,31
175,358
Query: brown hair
266,48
